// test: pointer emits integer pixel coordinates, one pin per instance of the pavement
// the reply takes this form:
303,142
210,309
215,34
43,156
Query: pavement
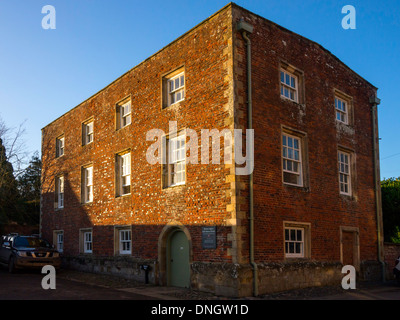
364,290
74,285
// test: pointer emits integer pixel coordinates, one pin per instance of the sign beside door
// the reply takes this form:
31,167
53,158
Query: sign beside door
209,237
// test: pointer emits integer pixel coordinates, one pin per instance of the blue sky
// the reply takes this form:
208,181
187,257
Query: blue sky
45,73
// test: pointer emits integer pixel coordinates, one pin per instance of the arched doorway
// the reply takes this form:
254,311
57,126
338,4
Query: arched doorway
174,236
178,256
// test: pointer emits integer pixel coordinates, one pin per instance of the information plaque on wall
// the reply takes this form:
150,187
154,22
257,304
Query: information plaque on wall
209,237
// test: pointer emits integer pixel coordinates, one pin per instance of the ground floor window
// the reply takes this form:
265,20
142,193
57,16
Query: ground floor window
86,241
297,240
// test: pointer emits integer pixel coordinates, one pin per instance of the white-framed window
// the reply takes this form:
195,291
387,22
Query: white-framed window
124,114
87,184
342,110
175,173
289,85
125,242
58,240
87,242
344,159
126,117
173,87
292,160
123,174
294,242
60,144
176,88
87,132
59,185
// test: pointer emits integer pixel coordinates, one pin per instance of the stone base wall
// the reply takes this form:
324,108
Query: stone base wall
231,280
123,266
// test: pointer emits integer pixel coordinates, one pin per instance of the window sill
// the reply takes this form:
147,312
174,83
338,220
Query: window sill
349,197
172,186
87,144
118,129
283,98
297,259
296,186
175,104
87,203
123,196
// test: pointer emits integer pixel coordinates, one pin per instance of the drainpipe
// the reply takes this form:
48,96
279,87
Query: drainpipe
375,102
246,29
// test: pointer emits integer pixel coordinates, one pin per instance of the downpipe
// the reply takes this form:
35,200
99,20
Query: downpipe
375,102
251,189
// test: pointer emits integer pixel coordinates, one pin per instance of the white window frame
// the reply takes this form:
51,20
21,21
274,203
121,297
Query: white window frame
88,129
87,184
60,145
125,241
342,110
344,167
176,88
60,192
288,240
289,157
87,241
125,114
124,173
60,241
176,160
289,85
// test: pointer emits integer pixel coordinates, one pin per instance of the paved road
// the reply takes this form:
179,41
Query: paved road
387,291
26,285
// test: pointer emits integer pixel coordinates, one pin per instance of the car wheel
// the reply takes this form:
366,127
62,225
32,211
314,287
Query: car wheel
11,265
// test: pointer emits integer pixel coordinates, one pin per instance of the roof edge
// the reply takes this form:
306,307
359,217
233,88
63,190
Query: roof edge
230,4
312,41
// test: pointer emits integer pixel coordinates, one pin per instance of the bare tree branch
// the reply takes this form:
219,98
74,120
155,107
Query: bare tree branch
14,144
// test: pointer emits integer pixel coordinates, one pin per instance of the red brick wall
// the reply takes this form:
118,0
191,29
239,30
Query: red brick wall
201,201
211,195
320,204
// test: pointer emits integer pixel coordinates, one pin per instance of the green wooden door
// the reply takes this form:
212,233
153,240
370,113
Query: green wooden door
179,269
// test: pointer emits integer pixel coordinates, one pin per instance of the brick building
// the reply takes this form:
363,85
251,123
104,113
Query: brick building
308,208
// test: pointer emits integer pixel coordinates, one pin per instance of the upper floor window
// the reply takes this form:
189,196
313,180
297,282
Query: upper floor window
124,116
87,184
123,183
173,87
289,85
291,82
59,194
87,132
60,144
344,172
175,169
341,110
176,88
292,160
343,107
